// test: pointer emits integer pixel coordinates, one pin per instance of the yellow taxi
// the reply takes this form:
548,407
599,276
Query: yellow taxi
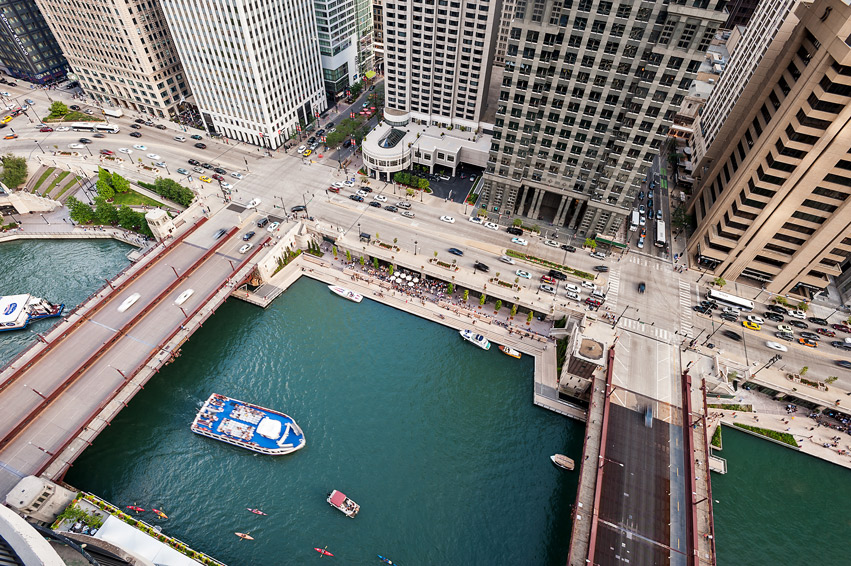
807,342
307,153
6,120
751,325
205,178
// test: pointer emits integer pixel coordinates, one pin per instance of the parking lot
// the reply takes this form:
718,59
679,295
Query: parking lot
456,188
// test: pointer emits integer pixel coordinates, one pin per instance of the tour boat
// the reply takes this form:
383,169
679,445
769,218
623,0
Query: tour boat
562,461
346,293
256,511
339,500
322,551
244,536
476,339
509,352
248,426
17,311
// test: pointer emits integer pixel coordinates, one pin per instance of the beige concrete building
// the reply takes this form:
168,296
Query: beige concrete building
121,52
771,203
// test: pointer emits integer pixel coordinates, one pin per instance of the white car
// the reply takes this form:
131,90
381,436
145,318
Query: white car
642,220
572,296
225,185
128,302
125,150
338,185
349,184
798,314
491,225
302,148
476,220
181,139
641,242
63,129
254,203
506,259
547,289
776,346
273,226
407,213
589,285
362,193
755,319
154,156
182,298
551,243
236,175
519,241
75,145
140,147
523,274
160,164
572,288
448,219
4,93
380,198
598,255
245,248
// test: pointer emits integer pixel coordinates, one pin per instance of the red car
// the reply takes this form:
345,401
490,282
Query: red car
548,279
334,189
842,328
46,129
218,177
826,332
106,152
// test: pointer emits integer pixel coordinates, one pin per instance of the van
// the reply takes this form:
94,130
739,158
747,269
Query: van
597,294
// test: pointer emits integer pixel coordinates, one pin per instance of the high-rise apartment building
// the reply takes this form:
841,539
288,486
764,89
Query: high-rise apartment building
378,33
588,94
121,52
28,49
345,42
772,200
740,12
253,65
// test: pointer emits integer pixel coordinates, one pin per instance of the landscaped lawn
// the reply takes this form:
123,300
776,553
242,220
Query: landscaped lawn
73,116
56,181
43,177
132,198
75,183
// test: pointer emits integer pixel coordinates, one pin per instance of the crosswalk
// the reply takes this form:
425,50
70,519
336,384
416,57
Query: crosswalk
686,325
649,262
647,329
613,288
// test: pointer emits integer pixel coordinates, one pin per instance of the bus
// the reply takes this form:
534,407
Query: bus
633,222
660,234
94,127
729,300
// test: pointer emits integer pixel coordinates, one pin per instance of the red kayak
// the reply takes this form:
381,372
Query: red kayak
323,551
134,508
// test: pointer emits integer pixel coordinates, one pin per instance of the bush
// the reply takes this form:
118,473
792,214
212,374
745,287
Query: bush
783,437
716,437
172,190
14,170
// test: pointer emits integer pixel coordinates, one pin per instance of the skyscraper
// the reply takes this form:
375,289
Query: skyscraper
345,43
772,199
121,52
28,49
253,65
588,93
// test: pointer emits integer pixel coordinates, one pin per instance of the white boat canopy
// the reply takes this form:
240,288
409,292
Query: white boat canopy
269,428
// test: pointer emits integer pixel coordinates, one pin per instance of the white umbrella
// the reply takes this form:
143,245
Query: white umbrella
410,284
392,278
409,277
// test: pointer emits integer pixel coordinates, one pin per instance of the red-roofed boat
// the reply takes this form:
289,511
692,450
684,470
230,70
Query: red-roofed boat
339,500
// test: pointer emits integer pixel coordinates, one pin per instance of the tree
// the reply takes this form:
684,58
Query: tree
14,170
483,211
81,213
105,212
395,241
333,250
57,110
720,281
466,294
451,288
529,318
680,219
591,243
513,310
803,306
348,256
517,222
423,184
804,370
497,305
375,262
391,269
127,218
362,261
483,299
105,190
120,184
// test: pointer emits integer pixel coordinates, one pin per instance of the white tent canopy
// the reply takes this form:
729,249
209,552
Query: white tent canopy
132,540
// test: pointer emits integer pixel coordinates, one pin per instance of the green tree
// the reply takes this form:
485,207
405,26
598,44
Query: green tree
497,305
423,184
435,255
348,256
451,288
529,318
105,190
174,191
362,261
57,110
105,212
333,249
395,241
128,218
466,294
120,184
803,306
680,219
483,299
591,243
391,269
720,281
513,310
375,262
14,170
517,222
483,211
81,213
804,370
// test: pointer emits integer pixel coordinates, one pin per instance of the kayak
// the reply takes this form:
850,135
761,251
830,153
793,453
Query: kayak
160,514
385,560
244,536
134,508
322,551
256,511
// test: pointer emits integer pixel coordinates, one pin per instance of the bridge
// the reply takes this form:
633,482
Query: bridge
60,392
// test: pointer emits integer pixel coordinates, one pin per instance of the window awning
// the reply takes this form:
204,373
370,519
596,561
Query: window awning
610,242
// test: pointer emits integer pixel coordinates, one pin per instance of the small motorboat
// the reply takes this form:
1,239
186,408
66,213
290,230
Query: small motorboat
160,514
256,511
346,293
322,551
339,500
136,509
385,560
562,461
509,352
476,339
244,536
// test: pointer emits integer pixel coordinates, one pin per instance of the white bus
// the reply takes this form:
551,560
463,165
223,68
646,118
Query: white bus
728,300
633,222
94,127
660,234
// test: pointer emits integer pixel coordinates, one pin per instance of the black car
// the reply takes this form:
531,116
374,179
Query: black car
196,137
365,189
248,236
709,304
206,165
819,321
729,317
844,364
777,309
375,204
785,336
135,135
481,266
298,208
514,230
136,126
455,251
650,204
194,162
568,248
642,287
311,140
732,335
347,143
220,171
773,316
839,344
357,198
139,121
799,324
73,107
98,135
811,336
85,140
601,268
201,146
555,274
391,208
701,309
320,133
221,232
262,222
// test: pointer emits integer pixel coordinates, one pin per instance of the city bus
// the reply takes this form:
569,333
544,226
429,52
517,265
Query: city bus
660,234
94,127
728,300
633,222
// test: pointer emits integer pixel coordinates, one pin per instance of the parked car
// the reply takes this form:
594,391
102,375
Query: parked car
778,309
601,268
262,222
551,243
514,230
598,255
523,274
568,248
774,316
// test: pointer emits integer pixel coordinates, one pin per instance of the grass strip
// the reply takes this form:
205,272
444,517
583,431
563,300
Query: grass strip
783,437
44,176
55,181
67,186
132,198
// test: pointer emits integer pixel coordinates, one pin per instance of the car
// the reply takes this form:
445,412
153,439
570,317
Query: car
136,126
139,121
640,195
348,142
778,309
320,132
798,314
63,129
650,204
601,268
391,208
74,107
808,343
298,208
107,152
811,336
551,243
729,317
196,137
448,219
248,236
785,336
491,225
843,364
135,135
273,226
194,162
217,177
598,255
351,185
237,175
219,234
701,309
375,204
557,275
334,189
29,101
160,127
404,205
206,165
140,147
568,248
154,156
785,328
589,285
774,316
841,327
184,296
755,319
642,287
641,209
46,129
205,179
572,288
98,135
407,213
180,139
76,146
548,279
547,288
799,324
85,140
128,302
819,321
220,171
733,311
709,304
641,242
312,140
523,274
6,119
357,198
245,248
253,203
481,267
573,296
659,214
593,302
182,171
519,241
13,83
198,170
776,346
380,198
160,164
826,332
732,335
307,152
10,136
514,230
455,251
751,325
200,145
839,344
125,150
302,148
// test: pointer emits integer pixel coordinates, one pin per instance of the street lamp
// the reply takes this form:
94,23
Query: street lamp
415,247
